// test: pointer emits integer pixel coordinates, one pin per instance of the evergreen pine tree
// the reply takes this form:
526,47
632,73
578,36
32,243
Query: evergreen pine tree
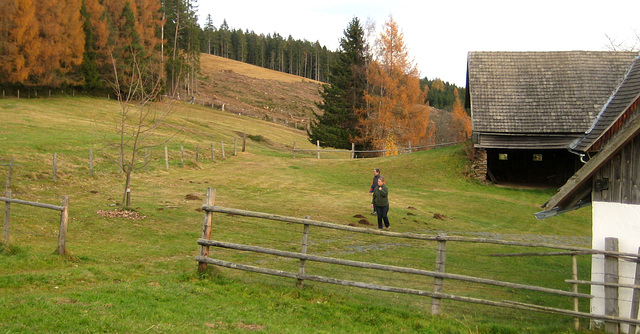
89,68
344,94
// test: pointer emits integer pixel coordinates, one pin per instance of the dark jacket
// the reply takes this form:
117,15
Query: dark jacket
381,196
374,184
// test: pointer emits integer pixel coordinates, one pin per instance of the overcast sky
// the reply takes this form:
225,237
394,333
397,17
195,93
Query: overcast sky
439,34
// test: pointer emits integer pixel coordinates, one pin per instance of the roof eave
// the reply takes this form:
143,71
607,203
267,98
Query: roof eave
570,192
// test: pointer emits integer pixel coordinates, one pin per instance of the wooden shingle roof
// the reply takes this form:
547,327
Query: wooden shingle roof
541,92
622,111
610,119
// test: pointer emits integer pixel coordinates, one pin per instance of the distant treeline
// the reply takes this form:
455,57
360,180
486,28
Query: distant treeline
300,57
441,94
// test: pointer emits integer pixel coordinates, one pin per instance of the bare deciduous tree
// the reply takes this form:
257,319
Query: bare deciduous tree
140,115
615,45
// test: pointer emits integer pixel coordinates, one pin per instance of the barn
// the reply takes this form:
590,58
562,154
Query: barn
528,107
610,181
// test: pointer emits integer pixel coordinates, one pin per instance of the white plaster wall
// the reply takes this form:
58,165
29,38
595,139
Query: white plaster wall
622,221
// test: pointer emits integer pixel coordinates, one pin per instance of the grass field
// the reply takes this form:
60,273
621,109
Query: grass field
211,63
132,276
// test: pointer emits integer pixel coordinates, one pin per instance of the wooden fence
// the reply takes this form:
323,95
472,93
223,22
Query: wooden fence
353,152
64,217
64,211
197,156
439,275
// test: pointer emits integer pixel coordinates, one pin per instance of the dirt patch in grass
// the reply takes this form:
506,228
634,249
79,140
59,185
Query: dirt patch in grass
192,197
439,216
120,213
364,222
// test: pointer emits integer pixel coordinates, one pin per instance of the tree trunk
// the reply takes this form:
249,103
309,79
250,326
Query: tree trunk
126,197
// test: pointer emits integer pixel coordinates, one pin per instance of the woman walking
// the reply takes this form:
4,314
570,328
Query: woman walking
381,203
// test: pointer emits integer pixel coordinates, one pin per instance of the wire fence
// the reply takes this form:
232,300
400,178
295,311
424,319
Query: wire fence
353,153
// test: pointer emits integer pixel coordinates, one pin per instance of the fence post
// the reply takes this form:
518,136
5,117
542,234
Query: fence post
206,228
235,146
146,160
244,141
294,149
574,276
441,256
62,234
181,156
55,167
9,175
166,157
222,148
318,147
213,154
90,162
635,299
303,263
7,216
384,149
611,292
353,150
410,149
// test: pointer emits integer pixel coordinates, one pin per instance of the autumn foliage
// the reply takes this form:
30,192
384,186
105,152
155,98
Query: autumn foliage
461,122
40,41
396,111
55,43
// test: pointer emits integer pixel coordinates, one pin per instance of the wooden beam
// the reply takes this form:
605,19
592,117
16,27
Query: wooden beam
584,174
507,304
367,265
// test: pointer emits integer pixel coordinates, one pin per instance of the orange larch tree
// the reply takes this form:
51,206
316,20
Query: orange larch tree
19,42
149,19
395,102
461,122
61,31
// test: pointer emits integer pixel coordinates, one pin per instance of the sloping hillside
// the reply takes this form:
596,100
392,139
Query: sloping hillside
275,96
257,92
120,267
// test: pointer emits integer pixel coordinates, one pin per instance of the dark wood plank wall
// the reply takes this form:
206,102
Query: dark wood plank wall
623,174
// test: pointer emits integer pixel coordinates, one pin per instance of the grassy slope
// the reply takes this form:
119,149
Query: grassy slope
258,92
210,63
132,276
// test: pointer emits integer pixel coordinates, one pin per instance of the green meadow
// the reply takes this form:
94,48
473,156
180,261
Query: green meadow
124,275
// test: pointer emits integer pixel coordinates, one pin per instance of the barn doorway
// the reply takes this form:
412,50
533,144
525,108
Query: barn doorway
543,168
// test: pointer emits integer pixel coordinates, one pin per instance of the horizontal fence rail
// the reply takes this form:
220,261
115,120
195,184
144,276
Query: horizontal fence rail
36,204
438,275
64,217
368,265
416,236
